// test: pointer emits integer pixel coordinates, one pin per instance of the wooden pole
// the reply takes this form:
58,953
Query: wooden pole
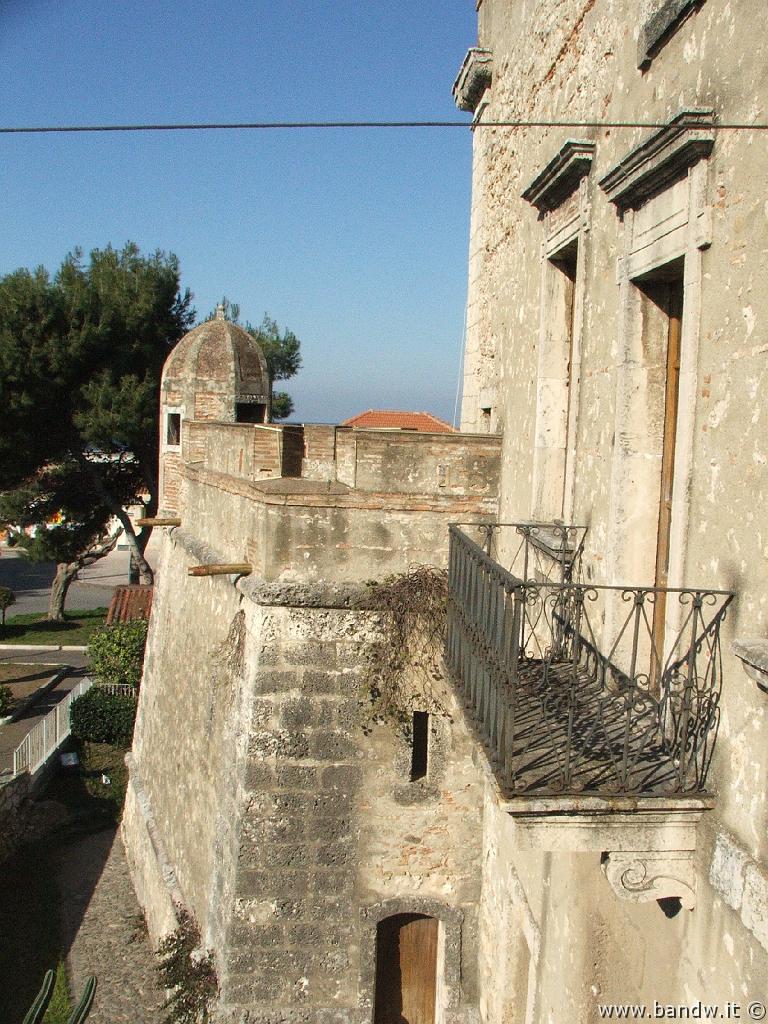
221,569
150,521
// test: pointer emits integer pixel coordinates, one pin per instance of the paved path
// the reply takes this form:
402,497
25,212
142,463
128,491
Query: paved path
13,733
102,933
31,582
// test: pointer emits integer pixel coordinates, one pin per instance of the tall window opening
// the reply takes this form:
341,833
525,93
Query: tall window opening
173,429
662,292
565,262
552,471
420,748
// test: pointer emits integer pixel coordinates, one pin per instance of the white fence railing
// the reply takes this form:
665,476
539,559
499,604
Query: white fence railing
118,689
41,741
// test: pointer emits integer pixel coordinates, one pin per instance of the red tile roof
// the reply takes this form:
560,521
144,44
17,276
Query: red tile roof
391,419
131,602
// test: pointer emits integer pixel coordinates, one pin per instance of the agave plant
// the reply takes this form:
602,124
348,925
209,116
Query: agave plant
36,1012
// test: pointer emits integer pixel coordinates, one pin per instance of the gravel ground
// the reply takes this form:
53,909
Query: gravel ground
102,931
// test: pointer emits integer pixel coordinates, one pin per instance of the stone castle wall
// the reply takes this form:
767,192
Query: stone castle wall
264,799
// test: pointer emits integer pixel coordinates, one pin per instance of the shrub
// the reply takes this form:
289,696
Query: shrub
6,700
102,717
7,598
116,653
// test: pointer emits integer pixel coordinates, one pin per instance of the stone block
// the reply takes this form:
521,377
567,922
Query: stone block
252,987
259,775
303,934
297,713
292,908
312,654
726,873
259,882
346,777
332,746
321,682
244,933
295,776
279,743
262,713
329,805
267,831
334,854
336,828
754,903
277,681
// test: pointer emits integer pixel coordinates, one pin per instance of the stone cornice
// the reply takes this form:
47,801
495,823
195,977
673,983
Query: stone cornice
661,159
561,175
473,78
660,26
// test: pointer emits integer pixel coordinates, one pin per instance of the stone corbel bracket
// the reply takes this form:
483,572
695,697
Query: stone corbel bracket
651,839
473,78
661,159
644,876
561,176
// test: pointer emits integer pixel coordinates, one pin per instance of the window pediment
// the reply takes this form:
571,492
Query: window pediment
661,159
561,175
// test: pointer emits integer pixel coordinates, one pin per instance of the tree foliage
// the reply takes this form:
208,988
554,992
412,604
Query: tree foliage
282,351
81,354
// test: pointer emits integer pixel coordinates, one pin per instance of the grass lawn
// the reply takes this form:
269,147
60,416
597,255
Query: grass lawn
34,629
18,673
81,789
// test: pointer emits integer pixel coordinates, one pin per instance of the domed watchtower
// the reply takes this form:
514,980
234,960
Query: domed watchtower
215,372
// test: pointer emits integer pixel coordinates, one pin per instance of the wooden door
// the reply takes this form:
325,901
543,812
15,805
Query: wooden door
406,970
671,392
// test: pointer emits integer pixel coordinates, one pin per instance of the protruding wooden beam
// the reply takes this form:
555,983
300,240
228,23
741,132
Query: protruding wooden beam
221,569
154,521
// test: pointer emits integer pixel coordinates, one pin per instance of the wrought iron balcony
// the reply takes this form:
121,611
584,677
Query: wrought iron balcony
571,686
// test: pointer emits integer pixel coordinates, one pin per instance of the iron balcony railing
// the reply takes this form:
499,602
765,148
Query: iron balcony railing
570,685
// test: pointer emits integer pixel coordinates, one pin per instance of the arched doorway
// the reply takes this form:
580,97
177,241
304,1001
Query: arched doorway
406,969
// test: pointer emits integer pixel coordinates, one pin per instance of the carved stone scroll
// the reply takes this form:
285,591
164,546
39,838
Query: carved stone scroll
643,876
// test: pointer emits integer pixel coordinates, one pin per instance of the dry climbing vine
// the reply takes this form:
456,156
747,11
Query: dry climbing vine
404,665
187,970
231,651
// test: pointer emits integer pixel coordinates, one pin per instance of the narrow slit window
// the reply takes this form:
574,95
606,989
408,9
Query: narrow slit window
173,432
420,750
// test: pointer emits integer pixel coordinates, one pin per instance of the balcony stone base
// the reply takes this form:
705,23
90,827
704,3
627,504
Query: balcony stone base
647,843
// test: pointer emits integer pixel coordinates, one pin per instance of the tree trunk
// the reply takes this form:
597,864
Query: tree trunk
139,566
66,573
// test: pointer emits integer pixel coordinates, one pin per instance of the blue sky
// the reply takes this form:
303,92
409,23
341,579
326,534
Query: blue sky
356,241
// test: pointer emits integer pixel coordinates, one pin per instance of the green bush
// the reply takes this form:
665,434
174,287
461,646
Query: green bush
6,700
116,653
102,717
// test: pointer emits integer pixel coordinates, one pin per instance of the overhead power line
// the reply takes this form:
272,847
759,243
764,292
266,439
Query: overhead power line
297,125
